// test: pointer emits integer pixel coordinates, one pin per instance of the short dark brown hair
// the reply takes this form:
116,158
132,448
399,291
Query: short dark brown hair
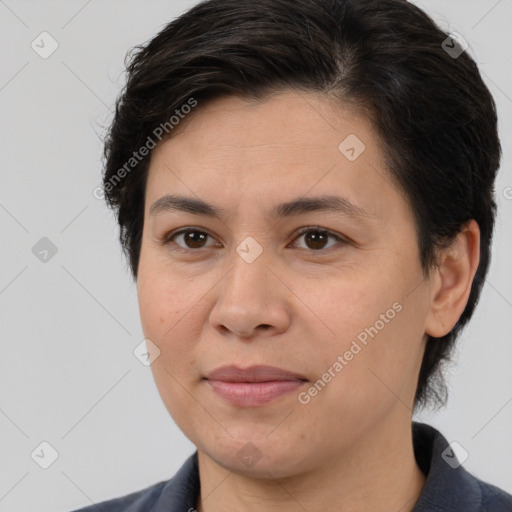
434,115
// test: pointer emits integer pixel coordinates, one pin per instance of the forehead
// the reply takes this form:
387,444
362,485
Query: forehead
311,120
284,145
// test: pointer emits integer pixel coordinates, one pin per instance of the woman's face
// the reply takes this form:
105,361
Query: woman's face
342,306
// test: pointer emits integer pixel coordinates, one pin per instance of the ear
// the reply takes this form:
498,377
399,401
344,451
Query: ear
451,280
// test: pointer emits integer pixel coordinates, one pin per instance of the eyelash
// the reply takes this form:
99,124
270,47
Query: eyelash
168,239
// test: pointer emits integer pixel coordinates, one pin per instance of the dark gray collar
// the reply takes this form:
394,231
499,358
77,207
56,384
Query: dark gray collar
447,488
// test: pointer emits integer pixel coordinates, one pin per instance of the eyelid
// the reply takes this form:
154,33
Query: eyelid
306,229
167,239
328,232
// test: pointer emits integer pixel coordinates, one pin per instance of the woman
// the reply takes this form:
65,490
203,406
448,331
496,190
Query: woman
304,190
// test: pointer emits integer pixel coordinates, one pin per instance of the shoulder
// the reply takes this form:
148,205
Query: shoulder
179,494
494,499
448,485
144,499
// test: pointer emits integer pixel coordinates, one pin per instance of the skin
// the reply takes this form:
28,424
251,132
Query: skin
296,306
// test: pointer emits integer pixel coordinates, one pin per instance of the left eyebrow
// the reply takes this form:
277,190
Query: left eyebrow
291,208
321,203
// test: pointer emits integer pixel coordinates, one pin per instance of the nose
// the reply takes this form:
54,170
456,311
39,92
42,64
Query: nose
251,301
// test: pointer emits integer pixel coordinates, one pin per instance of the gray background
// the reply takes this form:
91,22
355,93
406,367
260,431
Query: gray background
69,325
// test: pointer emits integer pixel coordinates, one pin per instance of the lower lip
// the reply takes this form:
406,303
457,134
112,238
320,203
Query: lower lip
251,394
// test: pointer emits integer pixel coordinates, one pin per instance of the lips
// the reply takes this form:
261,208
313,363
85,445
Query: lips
253,386
252,374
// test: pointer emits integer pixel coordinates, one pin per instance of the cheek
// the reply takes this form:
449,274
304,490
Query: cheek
373,325
174,312
347,307
156,306
166,312
164,299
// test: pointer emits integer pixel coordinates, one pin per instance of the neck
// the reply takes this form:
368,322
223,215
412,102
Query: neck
379,474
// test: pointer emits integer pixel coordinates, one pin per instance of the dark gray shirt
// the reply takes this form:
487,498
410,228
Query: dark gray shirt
448,488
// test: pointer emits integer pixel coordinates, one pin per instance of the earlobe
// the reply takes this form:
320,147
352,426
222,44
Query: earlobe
452,279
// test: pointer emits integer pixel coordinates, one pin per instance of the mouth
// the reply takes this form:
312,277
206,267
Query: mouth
253,386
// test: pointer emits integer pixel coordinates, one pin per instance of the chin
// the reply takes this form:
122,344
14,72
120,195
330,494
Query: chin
261,457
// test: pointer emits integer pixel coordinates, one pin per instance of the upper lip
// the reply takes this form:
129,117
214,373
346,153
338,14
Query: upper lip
252,374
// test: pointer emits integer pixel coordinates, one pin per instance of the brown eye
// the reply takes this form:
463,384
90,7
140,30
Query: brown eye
194,239
190,239
317,239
